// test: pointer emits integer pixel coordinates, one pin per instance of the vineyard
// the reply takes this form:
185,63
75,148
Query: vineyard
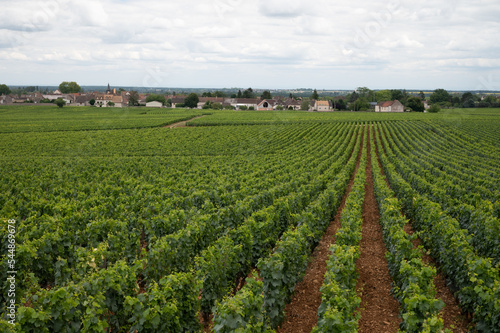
125,225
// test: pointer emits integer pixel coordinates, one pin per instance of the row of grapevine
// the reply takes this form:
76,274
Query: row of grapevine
284,267
222,239
413,279
479,220
339,299
476,279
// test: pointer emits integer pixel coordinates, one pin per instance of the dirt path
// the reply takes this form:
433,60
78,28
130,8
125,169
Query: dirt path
452,314
302,311
379,309
182,123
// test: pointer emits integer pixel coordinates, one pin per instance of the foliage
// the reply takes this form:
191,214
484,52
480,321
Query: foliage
4,90
434,108
69,87
266,94
156,97
125,225
243,312
315,95
92,102
440,95
383,95
60,102
415,103
133,98
361,104
305,104
248,93
191,101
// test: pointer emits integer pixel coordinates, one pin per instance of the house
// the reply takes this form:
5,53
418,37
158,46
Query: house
6,99
203,100
83,99
178,100
105,100
291,103
268,104
323,106
154,104
390,106
237,103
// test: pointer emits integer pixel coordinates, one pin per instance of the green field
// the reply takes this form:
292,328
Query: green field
122,224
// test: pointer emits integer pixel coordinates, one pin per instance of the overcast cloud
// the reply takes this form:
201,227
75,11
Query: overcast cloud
256,43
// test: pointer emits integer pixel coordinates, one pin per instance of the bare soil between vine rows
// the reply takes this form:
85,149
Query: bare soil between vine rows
302,311
452,315
182,123
379,309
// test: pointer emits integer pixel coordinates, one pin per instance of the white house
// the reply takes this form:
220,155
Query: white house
247,102
323,106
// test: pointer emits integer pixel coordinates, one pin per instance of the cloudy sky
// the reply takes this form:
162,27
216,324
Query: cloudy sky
342,44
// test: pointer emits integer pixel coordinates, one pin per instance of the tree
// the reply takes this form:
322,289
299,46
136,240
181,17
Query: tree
315,95
207,94
415,104
339,104
421,95
266,95
69,87
352,97
305,105
440,96
366,93
469,103
219,94
60,102
110,104
466,96
434,108
383,95
92,102
207,105
397,95
4,90
133,98
157,98
361,104
248,93
216,106
191,101
239,94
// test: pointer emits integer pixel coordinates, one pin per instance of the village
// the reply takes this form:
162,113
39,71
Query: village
362,100
121,98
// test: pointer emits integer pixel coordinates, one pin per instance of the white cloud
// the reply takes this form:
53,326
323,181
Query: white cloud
223,42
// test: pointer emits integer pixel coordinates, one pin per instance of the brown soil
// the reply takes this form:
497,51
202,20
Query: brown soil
452,315
379,310
302,311
182,123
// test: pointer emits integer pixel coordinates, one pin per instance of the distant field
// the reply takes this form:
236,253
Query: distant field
51,118
123,225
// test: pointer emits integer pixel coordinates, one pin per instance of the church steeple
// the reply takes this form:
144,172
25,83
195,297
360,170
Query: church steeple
109,89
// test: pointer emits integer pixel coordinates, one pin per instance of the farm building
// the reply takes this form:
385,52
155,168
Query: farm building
389,106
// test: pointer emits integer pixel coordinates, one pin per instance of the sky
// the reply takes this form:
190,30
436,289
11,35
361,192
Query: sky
275,44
